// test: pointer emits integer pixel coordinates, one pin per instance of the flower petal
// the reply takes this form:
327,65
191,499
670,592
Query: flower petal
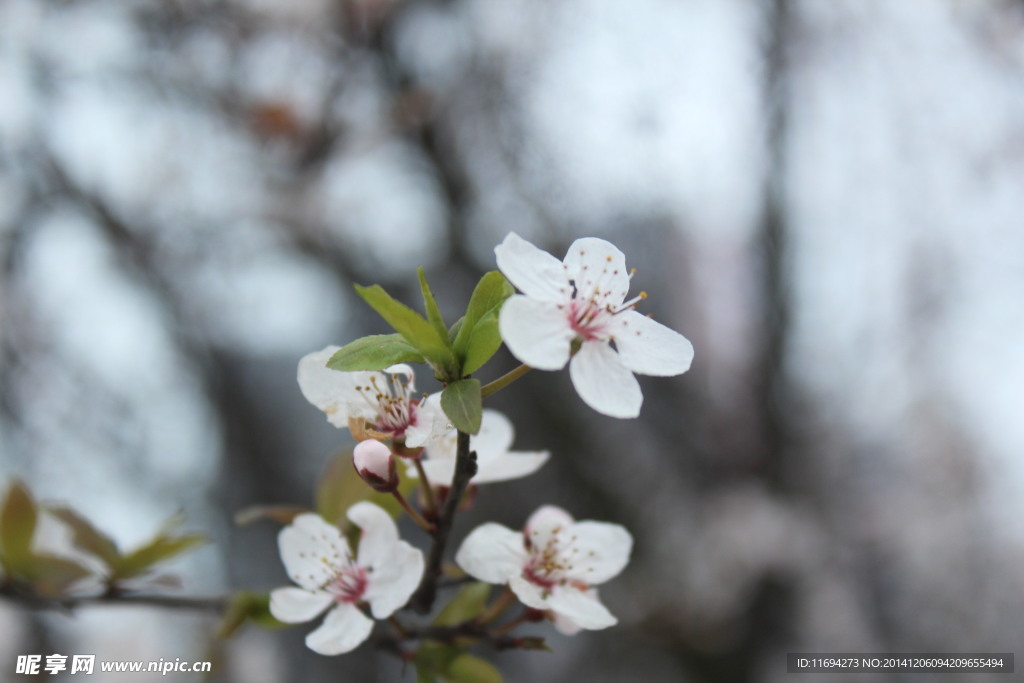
492,553
295,605
496,433
511,465
392,584
545,523
379,538
345,627
429,422
311,549
650,348
333,391
598,269
581,607
603,382
530,594
533,271
599,551
538,333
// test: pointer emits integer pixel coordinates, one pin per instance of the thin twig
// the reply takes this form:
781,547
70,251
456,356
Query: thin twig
503,381
71,603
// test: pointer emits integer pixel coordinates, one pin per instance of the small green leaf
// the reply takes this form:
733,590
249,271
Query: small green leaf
51,576
468,668
162,547
433,659
247,606
462,404
483,343
88,538
488,296
17,527
453,331
283,514
430,305
467,604
374,352
419,333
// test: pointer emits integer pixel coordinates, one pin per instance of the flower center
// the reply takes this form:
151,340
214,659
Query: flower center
589,317
548,565
393,404
349,584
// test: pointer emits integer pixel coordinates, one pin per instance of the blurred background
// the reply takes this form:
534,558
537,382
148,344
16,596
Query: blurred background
825,196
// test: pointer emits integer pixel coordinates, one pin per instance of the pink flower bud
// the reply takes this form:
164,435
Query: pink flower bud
374,463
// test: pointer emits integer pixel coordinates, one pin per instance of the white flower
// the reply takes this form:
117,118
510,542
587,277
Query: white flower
384,574
552,565
583,299
494,460
385,400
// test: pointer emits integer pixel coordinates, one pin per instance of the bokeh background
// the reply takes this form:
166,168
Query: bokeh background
825,196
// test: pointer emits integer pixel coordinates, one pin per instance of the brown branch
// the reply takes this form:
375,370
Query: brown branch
465,469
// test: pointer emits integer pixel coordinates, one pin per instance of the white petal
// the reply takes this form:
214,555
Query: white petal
311,549
530,594
603,382
403,369
582,608
379,538
599,551
492,553
598,268
538,333
295,605
511,465
332,391
429,423
565,625
392,584
547,521
533,271
495,436
439,471
345,627
650,348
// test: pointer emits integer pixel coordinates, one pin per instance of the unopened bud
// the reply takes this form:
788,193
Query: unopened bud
374,463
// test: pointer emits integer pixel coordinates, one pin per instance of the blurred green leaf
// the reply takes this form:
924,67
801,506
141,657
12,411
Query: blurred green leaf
374,352
50,576
283,514
18,518
468,603
162,547
468,668
462,404
414,328
88,538
247,606
453,331
483,343
430,305
433,659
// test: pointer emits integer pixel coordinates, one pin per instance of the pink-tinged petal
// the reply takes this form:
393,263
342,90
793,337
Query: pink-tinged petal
511,465
379,538
533,271
650,348
492,553
580,607
311,549
332,391
295,605
345,628
392,584
598,268
538,333
430,422
373,457
546,522
565,625
599,551
530,594
603,382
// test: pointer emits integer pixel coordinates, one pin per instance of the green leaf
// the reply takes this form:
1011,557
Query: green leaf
453,331
51,576
18,518
433,659
488,296
420,334
160,548
462,404
88,538
483,343
248,606
374,352
468,668
283,514
467,604
430,305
